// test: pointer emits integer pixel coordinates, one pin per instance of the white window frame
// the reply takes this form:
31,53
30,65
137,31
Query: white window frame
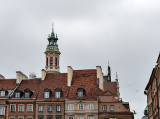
80,106
29,107
17,95
21,107
90,117
2,93
80,117
46,95
40,108
70,106
91,106
103,108
58,108
2,112
80,93
58,94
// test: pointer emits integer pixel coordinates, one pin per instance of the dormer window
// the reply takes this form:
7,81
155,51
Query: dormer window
57,93
27,95
47,93
2,93
81,92
17,95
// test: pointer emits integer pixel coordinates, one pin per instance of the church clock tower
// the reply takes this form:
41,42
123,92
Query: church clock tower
52,53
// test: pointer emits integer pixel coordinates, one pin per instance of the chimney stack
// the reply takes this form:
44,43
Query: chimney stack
100,76
43,74
70,75
20,76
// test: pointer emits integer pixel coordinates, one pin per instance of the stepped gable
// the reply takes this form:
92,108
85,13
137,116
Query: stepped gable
53,81
8,84
110,86
31,84
86,79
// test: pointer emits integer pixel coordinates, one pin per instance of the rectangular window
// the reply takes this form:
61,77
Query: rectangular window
2,111
58,117
49,117
104,107
58,94
58,108
46,94
70,118
40,108
91,107
40,117
21,108
49,108
80,93
17,95
26,95
80,117
91,117
30,108
55,61
70,106
111,107
2,93
80,106
13,108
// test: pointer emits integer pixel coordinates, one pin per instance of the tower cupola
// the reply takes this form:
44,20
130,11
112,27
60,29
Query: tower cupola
52,53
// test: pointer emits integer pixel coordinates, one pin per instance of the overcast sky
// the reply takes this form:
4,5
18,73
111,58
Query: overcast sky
90,32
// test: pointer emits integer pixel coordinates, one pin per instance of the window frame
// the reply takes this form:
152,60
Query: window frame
80,106
69,106
58,108
57,94
17,93
31,107
20,108
112,110
11,107
48,108
2,92
89,106
104,108
48,94
3,111
40,110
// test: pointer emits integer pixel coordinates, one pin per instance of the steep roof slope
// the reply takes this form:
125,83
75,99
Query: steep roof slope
86,79
8,84
53,81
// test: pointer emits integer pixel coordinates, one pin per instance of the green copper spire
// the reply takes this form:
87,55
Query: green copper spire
52,39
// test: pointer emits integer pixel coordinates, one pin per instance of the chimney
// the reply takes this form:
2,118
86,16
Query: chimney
43,74
2,77
70,75
100,77
20,76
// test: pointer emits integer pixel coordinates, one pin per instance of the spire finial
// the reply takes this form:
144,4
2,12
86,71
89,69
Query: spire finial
52,27
116,75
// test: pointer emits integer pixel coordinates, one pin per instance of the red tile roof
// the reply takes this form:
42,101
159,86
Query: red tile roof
8,84
52,82
86,79
110,86
32,84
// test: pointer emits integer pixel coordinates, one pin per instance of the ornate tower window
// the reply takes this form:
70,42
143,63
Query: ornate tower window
51,61
55,61
47,61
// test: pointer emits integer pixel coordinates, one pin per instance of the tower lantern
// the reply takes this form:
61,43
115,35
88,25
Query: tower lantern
52,53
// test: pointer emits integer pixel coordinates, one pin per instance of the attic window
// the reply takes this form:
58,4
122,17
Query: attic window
81,92
17,95
2,93
47,93
27,95
58,93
